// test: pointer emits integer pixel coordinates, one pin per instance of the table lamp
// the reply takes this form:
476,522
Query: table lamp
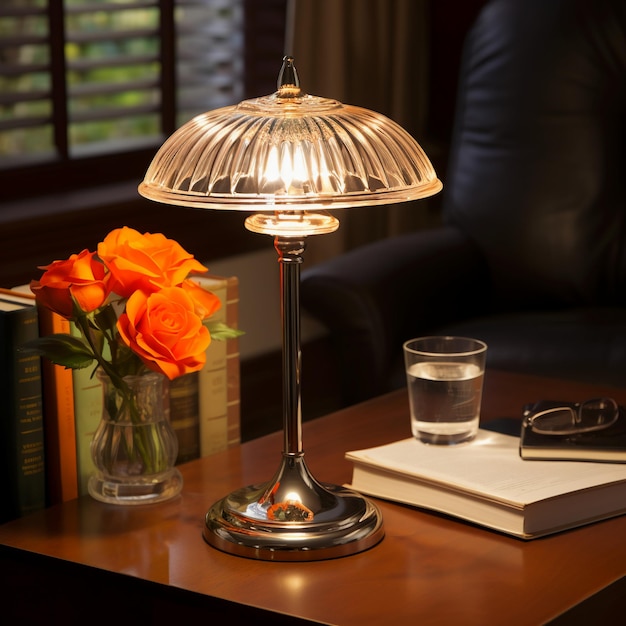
288,158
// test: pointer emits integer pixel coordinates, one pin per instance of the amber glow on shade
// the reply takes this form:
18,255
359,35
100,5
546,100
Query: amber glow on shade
289,150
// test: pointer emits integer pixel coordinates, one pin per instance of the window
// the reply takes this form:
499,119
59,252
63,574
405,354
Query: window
90,88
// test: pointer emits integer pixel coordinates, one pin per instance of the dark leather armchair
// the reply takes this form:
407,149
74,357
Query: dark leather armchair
532,254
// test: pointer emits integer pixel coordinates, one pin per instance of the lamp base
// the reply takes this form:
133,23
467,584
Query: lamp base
293,518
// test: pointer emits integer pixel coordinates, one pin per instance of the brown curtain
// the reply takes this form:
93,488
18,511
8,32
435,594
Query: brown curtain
374,54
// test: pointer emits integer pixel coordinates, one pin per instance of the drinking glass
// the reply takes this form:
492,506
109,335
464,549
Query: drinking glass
445,383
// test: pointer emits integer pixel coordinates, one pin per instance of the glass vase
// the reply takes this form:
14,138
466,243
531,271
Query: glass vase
134,448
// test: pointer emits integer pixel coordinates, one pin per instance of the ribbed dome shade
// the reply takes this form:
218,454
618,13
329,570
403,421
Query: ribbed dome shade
289,150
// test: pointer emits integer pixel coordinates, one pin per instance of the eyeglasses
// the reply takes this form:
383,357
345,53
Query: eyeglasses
571,419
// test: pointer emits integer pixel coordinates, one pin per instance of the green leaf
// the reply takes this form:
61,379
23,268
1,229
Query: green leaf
220,331
62,349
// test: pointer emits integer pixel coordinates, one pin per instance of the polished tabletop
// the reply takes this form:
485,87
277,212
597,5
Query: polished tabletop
428,568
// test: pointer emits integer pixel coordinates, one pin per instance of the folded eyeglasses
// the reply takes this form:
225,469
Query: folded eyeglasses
571,418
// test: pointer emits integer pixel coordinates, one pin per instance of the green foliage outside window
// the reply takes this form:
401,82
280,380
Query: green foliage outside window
112,72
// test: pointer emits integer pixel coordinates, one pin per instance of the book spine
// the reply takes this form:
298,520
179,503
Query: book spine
219,379
184,416
21,422
59,425
87,415
233,398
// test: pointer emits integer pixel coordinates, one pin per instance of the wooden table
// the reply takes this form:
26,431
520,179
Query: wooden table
83,560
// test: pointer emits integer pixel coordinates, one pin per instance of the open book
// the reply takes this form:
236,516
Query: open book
486,482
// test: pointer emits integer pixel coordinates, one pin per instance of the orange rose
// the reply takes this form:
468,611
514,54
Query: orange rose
145,262
80,279
163,329
206,303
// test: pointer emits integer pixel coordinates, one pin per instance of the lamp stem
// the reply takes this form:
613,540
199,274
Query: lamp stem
290,251
292,517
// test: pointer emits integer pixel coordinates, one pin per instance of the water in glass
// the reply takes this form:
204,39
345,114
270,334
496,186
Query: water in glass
445,401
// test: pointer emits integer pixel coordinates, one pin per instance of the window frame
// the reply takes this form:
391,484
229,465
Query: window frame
63,173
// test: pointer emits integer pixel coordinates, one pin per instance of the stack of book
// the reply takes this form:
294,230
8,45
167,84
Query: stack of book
50,413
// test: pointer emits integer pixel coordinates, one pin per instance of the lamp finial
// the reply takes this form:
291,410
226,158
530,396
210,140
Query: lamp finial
288,81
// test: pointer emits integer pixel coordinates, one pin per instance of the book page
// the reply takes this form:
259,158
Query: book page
490,466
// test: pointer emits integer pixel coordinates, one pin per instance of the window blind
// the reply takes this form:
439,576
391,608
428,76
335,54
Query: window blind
90,88
85,77
26,112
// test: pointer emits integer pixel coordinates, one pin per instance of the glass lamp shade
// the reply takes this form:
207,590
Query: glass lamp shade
289,151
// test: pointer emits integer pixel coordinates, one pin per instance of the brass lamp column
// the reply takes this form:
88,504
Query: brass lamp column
288,157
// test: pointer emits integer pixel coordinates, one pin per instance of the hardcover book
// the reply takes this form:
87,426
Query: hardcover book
58,411
486,482
87,414
60,428
22,456
219,379
184,416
